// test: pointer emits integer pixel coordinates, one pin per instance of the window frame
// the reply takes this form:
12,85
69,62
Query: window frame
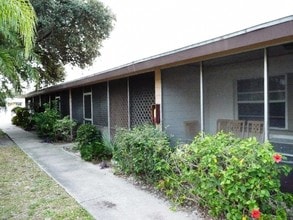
88,120
285,100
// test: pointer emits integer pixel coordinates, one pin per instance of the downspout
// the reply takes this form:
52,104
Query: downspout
266,97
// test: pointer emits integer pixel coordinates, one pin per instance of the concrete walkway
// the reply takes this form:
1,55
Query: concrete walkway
104,195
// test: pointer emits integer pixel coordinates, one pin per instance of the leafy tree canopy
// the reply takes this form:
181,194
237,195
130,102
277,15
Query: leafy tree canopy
69,32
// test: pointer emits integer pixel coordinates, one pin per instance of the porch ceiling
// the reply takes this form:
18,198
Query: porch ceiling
279,32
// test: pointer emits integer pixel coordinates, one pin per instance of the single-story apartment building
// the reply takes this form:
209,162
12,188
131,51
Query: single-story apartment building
241,79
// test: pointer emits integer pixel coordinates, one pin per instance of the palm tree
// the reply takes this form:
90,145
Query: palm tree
17,31
18,16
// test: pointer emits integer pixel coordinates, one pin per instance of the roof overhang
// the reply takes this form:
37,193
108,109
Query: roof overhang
261,36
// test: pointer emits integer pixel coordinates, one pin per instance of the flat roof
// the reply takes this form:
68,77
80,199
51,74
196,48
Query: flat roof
268,34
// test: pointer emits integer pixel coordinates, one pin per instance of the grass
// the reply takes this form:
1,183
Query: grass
27,192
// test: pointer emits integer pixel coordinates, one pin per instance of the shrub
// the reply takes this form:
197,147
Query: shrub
22,118
90,143
63,129
233,178
142,152
45,122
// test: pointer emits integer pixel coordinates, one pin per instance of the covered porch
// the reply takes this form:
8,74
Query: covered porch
251,92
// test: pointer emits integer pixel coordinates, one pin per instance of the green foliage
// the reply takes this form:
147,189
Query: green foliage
23,118
228,176
18,17
63,129
17,24
45,122
90,143
142,152
69,32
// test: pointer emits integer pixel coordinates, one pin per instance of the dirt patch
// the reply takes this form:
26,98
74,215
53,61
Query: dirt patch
106,204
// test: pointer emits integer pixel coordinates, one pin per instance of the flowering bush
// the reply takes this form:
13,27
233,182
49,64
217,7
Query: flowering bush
277,158
255,213
233,178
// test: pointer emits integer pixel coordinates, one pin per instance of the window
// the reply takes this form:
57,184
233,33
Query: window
87,107
250,100
58,103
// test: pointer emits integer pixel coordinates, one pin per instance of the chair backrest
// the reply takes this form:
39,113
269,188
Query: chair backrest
237,127
223,125
229,125
191,129
255,129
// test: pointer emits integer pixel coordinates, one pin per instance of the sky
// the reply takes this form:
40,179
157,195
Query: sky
144,28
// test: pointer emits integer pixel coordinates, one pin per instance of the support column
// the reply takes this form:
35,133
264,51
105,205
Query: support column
158,94
201,98
128,104
70,104
266,97
108,103
70,112
40,100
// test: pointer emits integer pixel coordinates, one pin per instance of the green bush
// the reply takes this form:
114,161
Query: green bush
22,118
230,177
142,152
90,143
64,128
45,122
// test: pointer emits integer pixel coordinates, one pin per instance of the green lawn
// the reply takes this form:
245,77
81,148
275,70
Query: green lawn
27,192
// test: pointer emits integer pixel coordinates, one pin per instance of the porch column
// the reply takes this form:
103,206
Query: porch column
40,100
70,112
158,94
108,106
70,104
266,97
128,104
201,98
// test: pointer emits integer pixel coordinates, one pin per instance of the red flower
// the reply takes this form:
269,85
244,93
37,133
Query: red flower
277,158
255,213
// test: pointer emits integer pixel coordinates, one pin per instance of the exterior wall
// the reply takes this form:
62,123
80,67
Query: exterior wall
77,104
100,106
181,102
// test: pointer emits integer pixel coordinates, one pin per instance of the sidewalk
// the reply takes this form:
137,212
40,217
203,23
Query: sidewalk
104,195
